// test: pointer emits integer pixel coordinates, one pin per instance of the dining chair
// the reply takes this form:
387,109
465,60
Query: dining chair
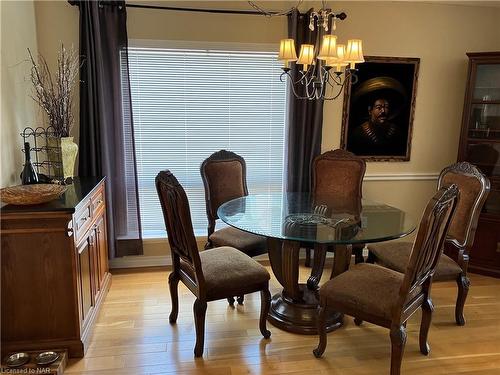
389,298
474,187
210,275
224,178
339,173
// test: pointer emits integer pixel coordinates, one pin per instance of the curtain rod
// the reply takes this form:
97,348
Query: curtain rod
220,11
340,16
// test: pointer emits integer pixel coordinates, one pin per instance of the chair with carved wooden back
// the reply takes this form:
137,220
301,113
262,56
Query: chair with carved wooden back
339,173
210,275
224,178
474,187
389,298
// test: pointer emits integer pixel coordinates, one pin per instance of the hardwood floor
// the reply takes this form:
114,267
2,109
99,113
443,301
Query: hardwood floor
132,336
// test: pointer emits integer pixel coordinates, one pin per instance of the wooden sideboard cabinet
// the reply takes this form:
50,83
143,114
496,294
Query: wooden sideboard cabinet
480,145
54,270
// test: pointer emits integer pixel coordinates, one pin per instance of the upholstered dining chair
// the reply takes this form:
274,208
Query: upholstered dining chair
339,173
210,275
388,298
224,178
474,187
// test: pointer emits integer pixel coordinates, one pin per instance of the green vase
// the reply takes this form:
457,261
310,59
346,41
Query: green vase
69,149
63,151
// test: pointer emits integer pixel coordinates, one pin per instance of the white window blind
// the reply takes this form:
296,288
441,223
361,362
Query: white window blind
187,104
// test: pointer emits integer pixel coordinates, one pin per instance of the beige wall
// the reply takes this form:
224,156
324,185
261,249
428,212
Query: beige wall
439,34
18,32
57,24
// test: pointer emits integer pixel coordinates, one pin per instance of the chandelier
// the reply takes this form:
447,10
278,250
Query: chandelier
325,71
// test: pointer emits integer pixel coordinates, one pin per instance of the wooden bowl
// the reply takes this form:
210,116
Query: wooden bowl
31,194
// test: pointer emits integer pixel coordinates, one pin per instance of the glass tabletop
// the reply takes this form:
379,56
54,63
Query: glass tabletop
299,217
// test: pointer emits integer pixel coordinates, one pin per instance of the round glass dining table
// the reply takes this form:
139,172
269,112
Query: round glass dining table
294,220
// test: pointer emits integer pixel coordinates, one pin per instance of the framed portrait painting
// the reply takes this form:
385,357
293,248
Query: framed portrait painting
378,109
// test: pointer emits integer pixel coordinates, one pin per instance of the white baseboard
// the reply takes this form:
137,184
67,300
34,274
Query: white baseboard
138,261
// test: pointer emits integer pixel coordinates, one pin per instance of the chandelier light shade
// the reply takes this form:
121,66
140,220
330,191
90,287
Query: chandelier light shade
316,76
339,62
287,51
328,48
354,53
306,56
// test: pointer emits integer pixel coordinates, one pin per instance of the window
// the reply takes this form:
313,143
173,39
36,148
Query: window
189,103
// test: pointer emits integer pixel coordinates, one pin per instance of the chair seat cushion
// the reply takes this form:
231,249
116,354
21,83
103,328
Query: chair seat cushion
395,255
228,271
250,244
365,288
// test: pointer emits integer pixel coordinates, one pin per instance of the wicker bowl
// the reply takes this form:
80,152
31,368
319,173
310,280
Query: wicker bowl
31,194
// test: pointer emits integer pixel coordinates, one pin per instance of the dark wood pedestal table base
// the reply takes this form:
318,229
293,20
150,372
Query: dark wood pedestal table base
295,308
288,220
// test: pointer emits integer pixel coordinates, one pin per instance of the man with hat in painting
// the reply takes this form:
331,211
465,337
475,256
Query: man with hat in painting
382,98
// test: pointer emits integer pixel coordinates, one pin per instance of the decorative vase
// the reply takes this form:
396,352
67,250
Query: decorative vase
63,150
69,149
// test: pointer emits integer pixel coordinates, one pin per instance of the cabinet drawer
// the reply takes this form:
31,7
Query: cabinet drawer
82,221
97,201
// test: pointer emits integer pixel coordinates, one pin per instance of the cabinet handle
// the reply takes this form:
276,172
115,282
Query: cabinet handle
69,232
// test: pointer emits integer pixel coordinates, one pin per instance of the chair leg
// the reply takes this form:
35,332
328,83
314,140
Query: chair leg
358,321
230,300
398,341
427,309
240,300
318,352
199,309
265,303
308,257
463,283
173,282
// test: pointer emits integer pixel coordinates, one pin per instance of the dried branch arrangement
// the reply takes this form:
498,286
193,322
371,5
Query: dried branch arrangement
54,94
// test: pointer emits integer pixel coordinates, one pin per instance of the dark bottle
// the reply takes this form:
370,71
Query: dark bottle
29,176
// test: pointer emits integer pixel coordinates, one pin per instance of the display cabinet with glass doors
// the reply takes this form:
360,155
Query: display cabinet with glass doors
480,145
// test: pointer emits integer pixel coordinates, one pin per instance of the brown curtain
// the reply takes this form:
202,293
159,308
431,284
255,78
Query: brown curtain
106,129
304,117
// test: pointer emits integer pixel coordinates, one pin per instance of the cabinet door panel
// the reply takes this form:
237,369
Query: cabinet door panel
487,85
486,249
485,156
85,279
102,250
94,258
485,122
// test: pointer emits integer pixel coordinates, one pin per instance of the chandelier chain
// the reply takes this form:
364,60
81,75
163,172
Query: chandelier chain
268,13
